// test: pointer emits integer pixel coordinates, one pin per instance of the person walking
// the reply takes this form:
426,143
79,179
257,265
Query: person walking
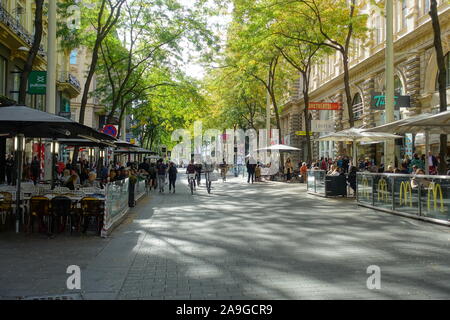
288,169
304,172
251,166
161,171
9,167
172,176
35,170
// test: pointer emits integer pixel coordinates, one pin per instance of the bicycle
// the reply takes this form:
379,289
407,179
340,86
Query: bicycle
191,182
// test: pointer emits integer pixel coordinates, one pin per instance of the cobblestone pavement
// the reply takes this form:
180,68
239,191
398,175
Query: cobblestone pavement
260,241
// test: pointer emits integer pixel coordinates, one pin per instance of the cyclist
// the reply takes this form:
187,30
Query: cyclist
191,169
198,173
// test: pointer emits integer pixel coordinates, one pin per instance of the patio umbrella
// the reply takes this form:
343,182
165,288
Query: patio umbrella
22,121
358,135
279,147
433,124
396,126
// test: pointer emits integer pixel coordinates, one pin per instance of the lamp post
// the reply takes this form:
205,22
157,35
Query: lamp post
19,147
51,58
54,151
389,74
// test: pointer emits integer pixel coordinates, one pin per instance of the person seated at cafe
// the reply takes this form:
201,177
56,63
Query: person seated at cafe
91,181
336,172
390,169
404,168
416,181
112,176
332,168
65,176
71,182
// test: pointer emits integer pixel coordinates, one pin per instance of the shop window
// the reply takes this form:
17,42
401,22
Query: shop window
358,106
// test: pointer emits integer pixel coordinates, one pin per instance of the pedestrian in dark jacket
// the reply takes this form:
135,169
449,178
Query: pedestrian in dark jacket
35,170
172,176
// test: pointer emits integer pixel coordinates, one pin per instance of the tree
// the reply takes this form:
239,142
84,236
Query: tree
300,54
34,50
251,51
442,82
338,22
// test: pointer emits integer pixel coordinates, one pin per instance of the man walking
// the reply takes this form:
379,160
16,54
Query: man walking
172,176
161,171
251,168
9,167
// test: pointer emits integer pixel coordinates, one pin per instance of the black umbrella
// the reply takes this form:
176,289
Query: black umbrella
22,121
34,123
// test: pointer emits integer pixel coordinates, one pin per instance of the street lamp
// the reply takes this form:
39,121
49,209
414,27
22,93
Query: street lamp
389,157
19,147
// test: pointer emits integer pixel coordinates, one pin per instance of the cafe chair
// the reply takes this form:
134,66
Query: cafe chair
40,208
92,208
5,206
61,208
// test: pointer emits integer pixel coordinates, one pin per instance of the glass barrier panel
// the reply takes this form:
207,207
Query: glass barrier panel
310,182
406,195
435,198
365,188
320,182
382,191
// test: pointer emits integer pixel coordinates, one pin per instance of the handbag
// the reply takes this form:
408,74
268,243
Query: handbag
213,176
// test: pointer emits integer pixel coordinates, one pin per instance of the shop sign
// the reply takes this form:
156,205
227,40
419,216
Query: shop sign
303,133
324,106
322,125
37,82
378,101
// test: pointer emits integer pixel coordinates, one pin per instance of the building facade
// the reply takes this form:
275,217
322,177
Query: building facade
415,76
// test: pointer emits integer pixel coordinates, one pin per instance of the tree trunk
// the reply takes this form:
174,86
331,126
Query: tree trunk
306,116
441,80
348,94
32,53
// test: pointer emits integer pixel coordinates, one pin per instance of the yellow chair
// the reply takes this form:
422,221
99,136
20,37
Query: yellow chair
5,207
92,207
40,208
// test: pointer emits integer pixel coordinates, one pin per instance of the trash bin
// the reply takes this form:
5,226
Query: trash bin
335,186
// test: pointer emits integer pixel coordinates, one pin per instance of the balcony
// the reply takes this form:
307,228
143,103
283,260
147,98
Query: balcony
69,83
15,33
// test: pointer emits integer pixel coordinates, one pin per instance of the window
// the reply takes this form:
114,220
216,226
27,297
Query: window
426,6
447,68
404,13
73,56
398,86
358,106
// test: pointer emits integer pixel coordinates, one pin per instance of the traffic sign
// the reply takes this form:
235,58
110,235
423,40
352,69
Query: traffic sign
110,129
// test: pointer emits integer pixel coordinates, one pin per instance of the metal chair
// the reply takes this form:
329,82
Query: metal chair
5,206
40,208
92,207
61,208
